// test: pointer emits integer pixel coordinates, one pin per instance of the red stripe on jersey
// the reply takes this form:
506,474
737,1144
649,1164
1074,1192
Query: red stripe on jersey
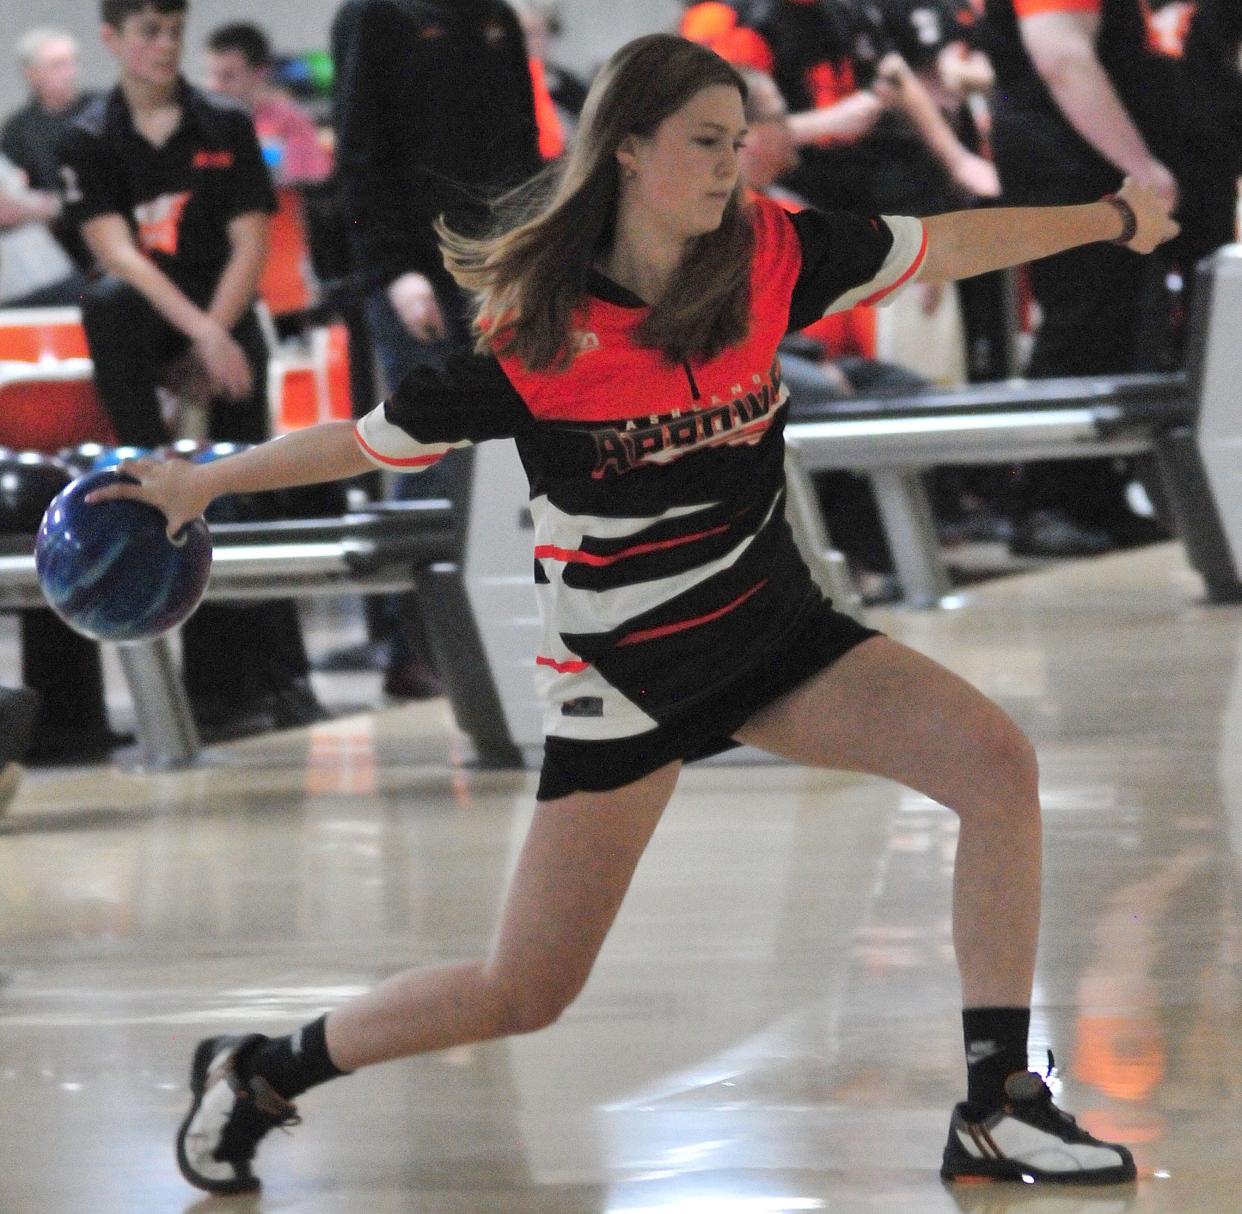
579,557
910,272
562,667
417,461
1029,8
664,630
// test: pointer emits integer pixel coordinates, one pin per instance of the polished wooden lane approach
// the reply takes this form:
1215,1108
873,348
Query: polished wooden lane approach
773,1024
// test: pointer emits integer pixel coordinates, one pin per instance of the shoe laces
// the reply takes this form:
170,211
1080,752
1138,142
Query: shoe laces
1031,1099
258,1107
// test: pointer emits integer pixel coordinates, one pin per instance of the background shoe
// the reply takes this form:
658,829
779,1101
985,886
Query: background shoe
292,706
1050,533
367,655
411,680
10,782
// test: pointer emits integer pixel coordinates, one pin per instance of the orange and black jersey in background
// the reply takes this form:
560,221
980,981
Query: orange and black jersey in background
818,51
822,51
664,564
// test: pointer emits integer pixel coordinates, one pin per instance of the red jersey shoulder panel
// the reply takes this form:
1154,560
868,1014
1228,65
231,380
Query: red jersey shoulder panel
613,378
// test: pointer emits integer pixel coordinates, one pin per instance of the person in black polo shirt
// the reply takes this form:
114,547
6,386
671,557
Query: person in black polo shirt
1083,98
31,136
169,190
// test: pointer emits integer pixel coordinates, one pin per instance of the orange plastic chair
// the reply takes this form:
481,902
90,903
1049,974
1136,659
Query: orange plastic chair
47,390
284,286
34,335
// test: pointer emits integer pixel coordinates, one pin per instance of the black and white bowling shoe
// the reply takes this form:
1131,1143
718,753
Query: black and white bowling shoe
228,1117
1030,1139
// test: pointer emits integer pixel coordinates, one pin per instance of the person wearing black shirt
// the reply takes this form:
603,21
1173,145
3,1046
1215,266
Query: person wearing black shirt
31,137
1082,99
169,190
434,115
850,96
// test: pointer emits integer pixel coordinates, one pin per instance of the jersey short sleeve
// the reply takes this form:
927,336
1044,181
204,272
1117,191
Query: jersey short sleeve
250,187
89,184
851,259
436,410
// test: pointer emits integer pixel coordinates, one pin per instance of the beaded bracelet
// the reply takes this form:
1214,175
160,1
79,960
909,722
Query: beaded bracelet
1129,220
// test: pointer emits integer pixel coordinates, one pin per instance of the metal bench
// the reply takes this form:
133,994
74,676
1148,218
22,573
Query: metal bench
895,440
393,547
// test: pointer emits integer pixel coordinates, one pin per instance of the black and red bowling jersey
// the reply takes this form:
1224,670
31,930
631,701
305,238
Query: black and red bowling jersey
664,565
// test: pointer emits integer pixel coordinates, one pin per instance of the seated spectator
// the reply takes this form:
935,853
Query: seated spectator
173,200
239,63
35,272
32,136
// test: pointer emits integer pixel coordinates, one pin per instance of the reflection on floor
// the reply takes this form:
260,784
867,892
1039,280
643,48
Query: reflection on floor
773,1024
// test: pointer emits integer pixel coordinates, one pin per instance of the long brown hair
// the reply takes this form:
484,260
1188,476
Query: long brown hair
530,274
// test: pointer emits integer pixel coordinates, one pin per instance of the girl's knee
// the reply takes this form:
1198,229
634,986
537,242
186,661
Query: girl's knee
1009,758
533,1003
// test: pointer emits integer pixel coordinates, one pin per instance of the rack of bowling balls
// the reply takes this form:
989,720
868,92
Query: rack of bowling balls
112,573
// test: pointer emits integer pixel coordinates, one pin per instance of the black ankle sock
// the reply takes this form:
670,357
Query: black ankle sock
294,1063
995,1048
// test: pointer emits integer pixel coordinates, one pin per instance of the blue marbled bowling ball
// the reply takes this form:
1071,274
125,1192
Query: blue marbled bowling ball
109,569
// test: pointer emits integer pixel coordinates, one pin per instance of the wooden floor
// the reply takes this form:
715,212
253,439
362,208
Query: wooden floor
773,1025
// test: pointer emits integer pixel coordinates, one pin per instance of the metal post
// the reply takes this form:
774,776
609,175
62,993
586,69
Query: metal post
165,723
911,532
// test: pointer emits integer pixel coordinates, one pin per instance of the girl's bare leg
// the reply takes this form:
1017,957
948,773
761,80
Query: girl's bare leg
890,711
575,867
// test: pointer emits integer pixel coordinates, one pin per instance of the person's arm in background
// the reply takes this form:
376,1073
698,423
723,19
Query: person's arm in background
18,207
19,203
235,292
1062,48
900,87
847,120
112,245
252,201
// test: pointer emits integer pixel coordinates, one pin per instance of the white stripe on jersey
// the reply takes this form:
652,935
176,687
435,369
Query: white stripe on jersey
904,258
596,611
388,446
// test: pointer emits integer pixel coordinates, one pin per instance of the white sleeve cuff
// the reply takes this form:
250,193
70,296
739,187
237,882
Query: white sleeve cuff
900,266
388,446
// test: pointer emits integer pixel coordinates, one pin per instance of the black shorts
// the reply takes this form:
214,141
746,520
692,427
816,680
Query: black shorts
708,726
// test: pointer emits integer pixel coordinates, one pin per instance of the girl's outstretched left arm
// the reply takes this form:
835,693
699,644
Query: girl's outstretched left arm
961,244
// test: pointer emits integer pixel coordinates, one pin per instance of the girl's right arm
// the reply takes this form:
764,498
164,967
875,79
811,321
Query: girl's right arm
182,490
